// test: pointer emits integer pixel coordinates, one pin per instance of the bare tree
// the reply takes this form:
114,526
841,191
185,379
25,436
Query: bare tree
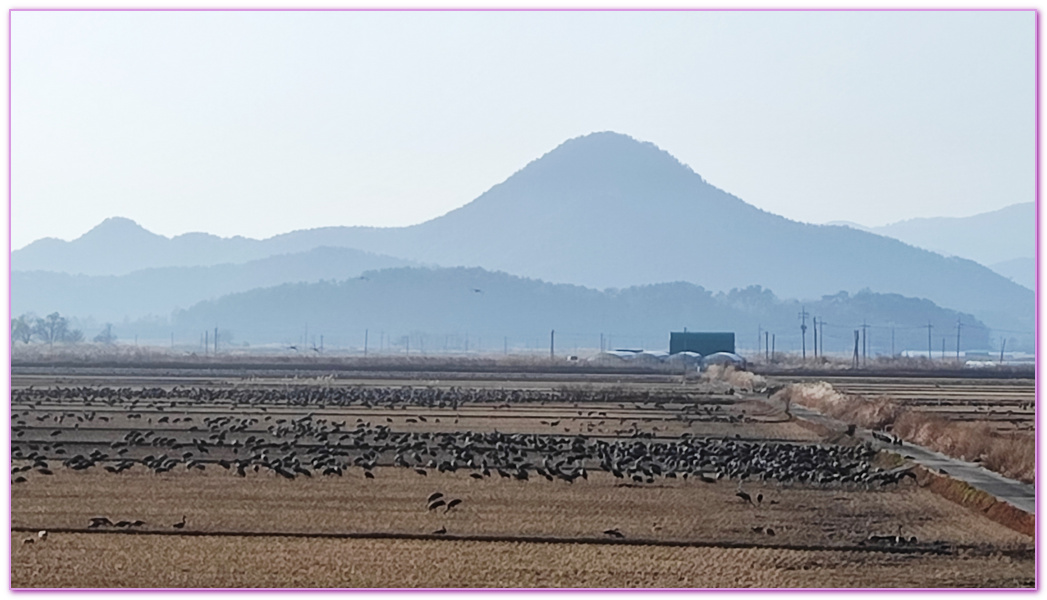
106,336
52,328
22,328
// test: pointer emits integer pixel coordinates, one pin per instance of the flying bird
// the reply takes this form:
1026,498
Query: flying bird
434,496
452,504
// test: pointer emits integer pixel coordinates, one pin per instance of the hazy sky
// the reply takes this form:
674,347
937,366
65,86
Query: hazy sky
258,123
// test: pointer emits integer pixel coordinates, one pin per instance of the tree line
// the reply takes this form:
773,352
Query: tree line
54,328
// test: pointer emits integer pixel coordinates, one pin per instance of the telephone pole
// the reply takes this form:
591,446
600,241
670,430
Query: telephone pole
929,328
552,343
959,325
1003,344
814,322
767,345
803,332
865,328
854,359
772,346
821,335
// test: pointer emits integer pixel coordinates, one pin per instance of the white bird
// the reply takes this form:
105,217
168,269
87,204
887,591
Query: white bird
42,535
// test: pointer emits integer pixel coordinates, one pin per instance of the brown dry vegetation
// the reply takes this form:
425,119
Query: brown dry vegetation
395,502
100,560
814,526
1012,455
744,380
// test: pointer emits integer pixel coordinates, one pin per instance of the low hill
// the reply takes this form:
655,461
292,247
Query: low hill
463,308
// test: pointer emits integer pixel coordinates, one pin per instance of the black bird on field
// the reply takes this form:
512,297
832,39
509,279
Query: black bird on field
440,531
97,522
744,496
433,496
180,524
770,531
368,474
452,504
436,505
759,498
421,471
614,533
758,529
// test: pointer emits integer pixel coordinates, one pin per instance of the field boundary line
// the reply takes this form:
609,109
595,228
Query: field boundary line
938,548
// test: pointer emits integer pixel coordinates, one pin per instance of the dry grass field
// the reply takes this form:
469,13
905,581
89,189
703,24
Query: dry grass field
81,454
113,560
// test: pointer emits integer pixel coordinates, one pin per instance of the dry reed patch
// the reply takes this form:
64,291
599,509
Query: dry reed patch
395,502
99,560
1011,455
744,380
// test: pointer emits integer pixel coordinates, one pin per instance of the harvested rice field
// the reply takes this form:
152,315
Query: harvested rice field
244,482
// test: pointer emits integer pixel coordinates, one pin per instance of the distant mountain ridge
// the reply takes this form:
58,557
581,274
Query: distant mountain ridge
988,238
160,291
607,211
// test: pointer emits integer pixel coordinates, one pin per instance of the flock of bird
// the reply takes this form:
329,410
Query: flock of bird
312,445
201,428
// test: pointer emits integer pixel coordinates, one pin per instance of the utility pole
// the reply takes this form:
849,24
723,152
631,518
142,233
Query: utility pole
552,344
365,342
929,328
759,336
1003,344
772,346
943,347
803,332
821,327
892,341
854,359
865,328
767,345
814,321
959,325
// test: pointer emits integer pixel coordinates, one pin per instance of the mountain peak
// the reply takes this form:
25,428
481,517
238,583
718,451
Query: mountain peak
117,226
610,148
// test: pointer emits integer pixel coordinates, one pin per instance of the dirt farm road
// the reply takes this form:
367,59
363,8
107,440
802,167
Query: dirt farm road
1020,495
